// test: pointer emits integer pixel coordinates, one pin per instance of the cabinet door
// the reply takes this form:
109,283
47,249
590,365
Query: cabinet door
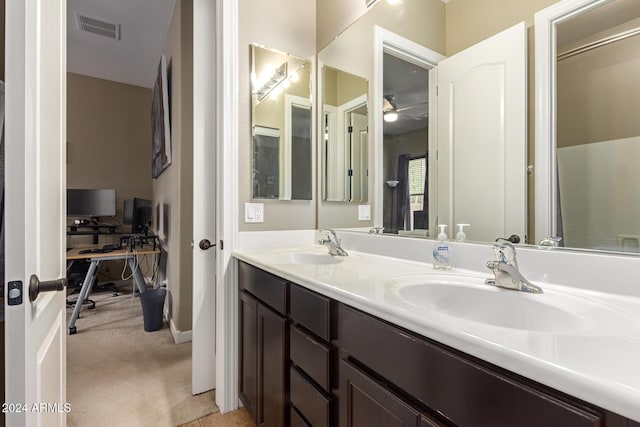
365,403
272,375
248,363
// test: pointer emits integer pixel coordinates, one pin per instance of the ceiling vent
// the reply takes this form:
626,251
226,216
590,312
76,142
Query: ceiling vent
96,26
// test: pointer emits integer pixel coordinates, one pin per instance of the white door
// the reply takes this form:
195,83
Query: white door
482,137
203,372
358,132
35,210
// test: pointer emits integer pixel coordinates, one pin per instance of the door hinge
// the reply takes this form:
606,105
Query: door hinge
350,129
350,172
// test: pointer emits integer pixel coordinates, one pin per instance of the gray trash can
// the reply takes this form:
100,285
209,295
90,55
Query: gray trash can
152,305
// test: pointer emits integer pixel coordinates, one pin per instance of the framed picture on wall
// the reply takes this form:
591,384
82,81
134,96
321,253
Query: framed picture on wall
160,126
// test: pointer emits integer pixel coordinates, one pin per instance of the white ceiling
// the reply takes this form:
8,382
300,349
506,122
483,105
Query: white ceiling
134,58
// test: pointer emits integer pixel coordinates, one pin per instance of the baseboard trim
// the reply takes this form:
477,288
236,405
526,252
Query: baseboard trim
179,337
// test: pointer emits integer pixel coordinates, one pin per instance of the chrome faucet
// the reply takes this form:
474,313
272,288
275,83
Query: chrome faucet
506,272
376,230
550,241
332,243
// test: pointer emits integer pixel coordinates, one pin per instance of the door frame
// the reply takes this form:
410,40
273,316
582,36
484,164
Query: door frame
546,178
386,41
227,59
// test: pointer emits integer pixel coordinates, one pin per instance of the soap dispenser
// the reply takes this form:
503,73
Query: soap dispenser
461,236
443,252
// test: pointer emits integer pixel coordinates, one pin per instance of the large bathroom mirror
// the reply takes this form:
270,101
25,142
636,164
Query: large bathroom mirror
281,120
454,158
345,136
349,58
588,135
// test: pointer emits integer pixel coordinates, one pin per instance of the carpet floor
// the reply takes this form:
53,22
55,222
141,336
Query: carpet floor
120,375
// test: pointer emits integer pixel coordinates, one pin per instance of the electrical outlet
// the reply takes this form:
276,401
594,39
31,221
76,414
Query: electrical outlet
364,212
253,212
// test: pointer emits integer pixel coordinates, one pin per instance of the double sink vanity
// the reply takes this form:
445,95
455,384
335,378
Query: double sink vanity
367,339
367,333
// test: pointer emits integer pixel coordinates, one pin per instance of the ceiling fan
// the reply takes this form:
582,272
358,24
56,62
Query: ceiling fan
390,109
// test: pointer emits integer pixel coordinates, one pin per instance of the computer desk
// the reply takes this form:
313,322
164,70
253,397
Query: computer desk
96,258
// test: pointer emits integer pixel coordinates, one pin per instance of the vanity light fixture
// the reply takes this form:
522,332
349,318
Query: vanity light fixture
270,83
272,86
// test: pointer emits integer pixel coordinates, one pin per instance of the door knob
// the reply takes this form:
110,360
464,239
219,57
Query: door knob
36,286
205,244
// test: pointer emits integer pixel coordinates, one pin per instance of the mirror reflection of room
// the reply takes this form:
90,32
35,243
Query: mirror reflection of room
405,145
346,134
281,125
598,132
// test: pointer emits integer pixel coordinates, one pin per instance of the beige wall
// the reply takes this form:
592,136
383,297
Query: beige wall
592,106
108,137
108,140
173,189
287,26
334,16
469,22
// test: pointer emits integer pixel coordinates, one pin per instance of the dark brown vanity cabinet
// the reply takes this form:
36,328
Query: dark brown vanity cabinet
365,402
463,391
312,357
308,360
263,368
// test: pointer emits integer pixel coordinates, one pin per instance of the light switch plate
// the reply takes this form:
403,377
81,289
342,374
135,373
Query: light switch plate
254,212
364,212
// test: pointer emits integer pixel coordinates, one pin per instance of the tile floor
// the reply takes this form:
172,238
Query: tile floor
239,418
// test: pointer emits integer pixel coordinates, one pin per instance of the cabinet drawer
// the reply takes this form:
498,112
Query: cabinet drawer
314,406
462,389
312,356
311,310
271,289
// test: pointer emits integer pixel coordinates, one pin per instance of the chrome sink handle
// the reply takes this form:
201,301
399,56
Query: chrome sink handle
502,246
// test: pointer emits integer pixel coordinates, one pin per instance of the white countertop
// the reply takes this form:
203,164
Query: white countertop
600,365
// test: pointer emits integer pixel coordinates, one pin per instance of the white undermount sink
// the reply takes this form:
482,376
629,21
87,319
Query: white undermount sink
311,256
468,298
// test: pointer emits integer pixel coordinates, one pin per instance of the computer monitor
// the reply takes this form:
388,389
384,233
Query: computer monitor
141,218
92,203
